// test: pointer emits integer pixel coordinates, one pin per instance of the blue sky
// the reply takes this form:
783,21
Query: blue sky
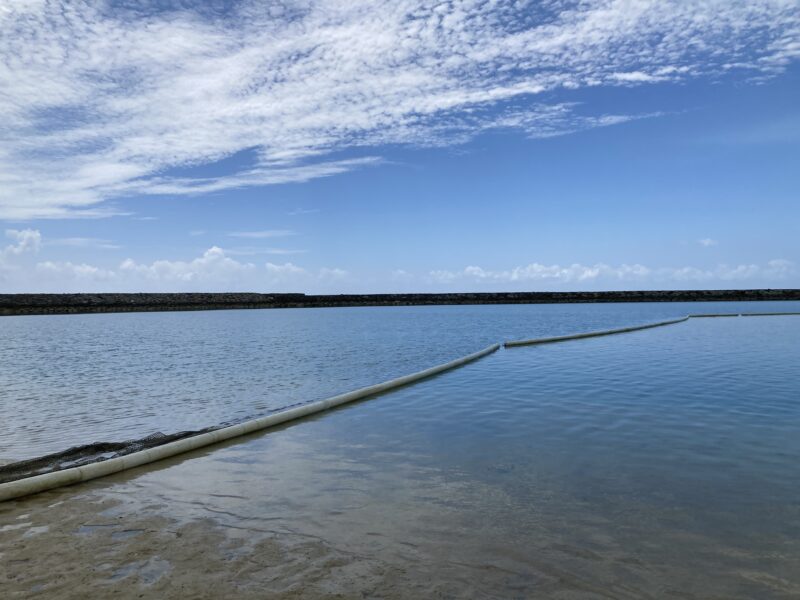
340,146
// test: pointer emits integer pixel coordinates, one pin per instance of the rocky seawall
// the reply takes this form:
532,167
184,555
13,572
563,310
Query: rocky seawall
35,304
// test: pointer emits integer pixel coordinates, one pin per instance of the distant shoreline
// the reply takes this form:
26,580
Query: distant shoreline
39,304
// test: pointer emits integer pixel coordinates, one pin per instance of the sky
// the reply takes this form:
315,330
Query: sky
336,146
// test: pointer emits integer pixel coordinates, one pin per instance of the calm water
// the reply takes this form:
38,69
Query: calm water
656,464
75,379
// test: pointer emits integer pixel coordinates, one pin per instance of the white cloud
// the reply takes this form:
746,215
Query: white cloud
214,270
301,275
72,273
638,77
707,242
554,273
284,269
16,256
217,270
27,240
577,275
212,267
98,104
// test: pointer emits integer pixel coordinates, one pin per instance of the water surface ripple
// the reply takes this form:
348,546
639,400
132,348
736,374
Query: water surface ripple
660,463
67,380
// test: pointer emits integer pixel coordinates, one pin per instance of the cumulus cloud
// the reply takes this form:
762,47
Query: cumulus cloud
545,273
27,240
284,269
72,273
100,104
216,269
25,243
213,267
300,275
587,275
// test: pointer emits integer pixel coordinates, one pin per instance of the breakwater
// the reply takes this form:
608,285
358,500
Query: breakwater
36,304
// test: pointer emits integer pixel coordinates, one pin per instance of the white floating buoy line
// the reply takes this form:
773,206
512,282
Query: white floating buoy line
47,481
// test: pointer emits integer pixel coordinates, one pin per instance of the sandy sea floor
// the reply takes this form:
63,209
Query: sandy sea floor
83,546
79,544
111,538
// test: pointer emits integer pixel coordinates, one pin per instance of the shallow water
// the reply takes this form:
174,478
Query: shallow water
661,463
74,379
655,464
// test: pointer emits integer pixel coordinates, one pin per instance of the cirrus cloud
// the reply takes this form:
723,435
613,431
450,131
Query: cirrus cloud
100,101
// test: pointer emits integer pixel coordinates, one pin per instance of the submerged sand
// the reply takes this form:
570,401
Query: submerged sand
78,544
83,546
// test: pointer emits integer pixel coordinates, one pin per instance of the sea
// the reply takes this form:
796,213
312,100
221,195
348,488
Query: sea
652,464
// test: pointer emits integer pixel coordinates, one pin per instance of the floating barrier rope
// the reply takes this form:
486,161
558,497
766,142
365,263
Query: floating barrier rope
68,476
578,336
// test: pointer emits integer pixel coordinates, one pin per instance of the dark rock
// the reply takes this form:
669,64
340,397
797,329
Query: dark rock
34,304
